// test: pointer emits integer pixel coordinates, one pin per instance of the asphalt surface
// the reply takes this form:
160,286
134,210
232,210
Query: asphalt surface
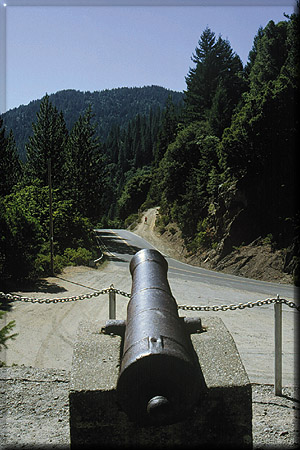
121,245
251,328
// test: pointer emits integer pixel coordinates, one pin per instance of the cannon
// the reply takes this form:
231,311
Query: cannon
160,378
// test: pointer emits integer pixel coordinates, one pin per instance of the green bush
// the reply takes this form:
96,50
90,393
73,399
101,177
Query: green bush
70,257
79,257
131,219
42,265
268,239
161,222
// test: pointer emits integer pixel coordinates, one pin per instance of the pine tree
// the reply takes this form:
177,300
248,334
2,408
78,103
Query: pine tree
167,131
85,168
261,144
48,141
216,65
253,52
272,52
10,166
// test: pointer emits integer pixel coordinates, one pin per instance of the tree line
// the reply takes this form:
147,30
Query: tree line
110,107
87,177
239,132
235,131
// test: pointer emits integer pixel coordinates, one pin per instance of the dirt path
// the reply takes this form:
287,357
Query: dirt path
147,231
46,332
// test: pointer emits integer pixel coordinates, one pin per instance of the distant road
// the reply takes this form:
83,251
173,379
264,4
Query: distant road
121,245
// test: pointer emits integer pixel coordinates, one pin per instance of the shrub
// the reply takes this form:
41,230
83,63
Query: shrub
131,219
79,257
161,222
268,239
70,257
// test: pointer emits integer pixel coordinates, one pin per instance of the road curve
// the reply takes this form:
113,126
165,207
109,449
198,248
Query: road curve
120,245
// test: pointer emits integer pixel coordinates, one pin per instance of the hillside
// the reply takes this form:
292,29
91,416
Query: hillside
110,107
257,260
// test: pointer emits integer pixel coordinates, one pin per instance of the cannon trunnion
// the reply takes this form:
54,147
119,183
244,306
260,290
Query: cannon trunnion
160,378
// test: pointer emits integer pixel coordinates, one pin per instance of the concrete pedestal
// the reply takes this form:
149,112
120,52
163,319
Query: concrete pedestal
223,417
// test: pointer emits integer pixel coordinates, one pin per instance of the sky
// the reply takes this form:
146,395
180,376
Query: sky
92,48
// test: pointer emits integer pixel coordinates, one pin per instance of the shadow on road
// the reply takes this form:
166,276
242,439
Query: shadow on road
33,286
115,244
42,286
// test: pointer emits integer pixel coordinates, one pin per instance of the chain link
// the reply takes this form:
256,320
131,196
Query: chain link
18,298
231,307
123,293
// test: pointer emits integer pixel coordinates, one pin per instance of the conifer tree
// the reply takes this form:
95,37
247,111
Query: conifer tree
10,166
85,168
253,52
48,141
216,65
167,131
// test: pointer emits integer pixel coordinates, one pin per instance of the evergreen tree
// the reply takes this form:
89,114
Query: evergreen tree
260,146
167,130
112,144
253,52
217,66
10,166
48,142
85,168
271,55
138,141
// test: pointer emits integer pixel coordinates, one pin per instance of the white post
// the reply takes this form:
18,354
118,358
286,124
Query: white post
112,303
278,347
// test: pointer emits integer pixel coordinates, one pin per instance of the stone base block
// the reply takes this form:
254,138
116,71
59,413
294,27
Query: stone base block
222,418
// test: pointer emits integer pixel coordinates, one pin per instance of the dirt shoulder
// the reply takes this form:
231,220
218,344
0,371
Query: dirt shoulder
35,411
256,260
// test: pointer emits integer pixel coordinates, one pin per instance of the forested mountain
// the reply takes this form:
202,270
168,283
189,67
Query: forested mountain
110,107
222,165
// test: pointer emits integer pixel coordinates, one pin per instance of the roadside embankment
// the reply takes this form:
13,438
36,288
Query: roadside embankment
257,260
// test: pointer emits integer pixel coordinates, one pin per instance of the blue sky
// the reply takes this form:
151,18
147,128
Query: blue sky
90,48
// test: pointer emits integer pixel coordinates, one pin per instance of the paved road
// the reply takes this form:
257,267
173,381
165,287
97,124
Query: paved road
252,329
123,244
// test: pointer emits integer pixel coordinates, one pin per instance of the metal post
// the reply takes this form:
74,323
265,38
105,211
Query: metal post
278,347
51,217
112,303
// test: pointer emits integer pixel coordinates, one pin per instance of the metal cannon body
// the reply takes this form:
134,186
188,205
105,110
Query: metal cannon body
159,379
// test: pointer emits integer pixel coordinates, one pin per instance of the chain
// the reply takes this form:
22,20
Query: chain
124,294
18,298
232,307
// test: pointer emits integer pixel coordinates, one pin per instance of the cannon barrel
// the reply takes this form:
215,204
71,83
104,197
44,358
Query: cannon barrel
159,380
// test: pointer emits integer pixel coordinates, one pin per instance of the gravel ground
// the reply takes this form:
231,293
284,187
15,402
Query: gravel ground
34,411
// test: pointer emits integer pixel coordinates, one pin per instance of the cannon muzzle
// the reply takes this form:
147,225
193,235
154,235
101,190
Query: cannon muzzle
160,379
